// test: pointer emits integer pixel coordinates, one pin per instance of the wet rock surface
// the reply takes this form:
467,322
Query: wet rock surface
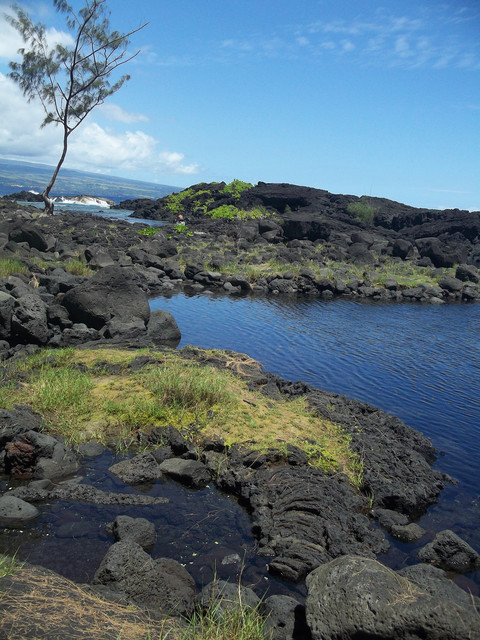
448,551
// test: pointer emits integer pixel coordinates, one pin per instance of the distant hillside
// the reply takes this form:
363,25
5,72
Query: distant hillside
18,176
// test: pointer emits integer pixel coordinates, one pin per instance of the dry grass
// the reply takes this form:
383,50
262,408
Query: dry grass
41,605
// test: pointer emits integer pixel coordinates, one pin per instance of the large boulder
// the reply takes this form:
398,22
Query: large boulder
160,586
111,292
354,597
163,328
26,232
38,455
29,320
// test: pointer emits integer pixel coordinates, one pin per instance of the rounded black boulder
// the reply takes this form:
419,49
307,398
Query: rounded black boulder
162,328
354,597
111,292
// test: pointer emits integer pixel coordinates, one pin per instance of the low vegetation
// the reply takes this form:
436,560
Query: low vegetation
80,399
362,211
201,201
11,267
236,188
9,565
53,607
263,261
231,212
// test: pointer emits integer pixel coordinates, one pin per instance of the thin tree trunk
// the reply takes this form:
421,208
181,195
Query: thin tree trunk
46,193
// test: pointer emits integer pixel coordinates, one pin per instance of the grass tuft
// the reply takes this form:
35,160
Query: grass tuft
12,266
9,565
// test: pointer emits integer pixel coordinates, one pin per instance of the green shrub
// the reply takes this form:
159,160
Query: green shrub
236,188
362,211
175,202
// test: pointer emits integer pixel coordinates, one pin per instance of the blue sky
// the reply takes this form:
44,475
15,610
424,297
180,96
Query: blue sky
359,97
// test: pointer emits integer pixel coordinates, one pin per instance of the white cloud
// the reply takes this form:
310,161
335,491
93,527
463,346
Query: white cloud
115,112
11,41
91,147
129,150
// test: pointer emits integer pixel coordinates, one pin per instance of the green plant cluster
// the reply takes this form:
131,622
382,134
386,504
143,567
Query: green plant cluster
183,229
231,212
149,231
362,211
236,188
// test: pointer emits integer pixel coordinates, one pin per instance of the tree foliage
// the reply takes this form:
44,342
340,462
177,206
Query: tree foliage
70,81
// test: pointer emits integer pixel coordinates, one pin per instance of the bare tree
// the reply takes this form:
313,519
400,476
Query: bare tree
70,81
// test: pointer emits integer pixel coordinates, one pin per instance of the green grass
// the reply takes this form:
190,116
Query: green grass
231,212
149,231
9,565
77,267
362,211
11,267
80,400
235,622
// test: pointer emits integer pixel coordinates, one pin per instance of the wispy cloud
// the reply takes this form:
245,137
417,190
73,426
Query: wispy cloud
429,38
115,112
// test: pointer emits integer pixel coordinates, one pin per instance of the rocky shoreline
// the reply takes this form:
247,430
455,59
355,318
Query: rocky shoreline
83,282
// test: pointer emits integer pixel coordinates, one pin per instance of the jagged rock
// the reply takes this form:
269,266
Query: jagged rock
467,273
193,473
72,490
7,303
448,551
29,320
140,469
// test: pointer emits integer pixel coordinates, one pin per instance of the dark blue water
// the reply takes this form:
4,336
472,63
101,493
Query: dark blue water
421,363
